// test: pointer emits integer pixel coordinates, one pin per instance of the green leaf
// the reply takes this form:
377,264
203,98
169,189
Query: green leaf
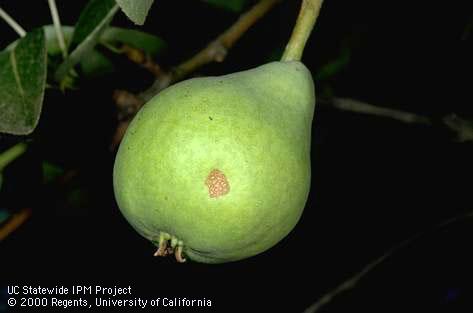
230,5
9,155
51,172
52,42
4,214
136,10
111,35
22,83
93,20
275,55
335,66
96,64
140,40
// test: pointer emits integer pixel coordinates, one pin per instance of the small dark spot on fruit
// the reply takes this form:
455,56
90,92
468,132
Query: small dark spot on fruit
210,118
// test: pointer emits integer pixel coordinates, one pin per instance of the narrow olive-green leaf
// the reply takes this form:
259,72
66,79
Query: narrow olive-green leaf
230,5
136,10
22,83
137,39
92,22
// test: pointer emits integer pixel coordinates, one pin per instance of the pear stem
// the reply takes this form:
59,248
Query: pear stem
305,23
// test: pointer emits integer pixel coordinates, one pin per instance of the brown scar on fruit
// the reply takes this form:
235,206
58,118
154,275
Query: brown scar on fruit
217,183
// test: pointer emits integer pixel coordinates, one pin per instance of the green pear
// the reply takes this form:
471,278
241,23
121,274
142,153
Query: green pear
219,167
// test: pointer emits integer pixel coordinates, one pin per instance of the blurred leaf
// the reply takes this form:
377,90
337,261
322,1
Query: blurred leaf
140,40
9,155
462,127
52,43
230,5
275,55
51,39
334,67
51,172
467,30
136,10
22,83
93,20
4,214
96,64
78,198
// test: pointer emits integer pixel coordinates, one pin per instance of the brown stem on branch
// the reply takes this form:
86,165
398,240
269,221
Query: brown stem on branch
143,59
14,222
127,104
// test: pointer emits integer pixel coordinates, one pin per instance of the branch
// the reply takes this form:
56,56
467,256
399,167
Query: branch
14,222
347,104
462,128
13,24
216,51
352,281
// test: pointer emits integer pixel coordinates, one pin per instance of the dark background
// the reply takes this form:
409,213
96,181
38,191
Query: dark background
376,181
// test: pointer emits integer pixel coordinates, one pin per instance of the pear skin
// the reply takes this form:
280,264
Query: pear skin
219,166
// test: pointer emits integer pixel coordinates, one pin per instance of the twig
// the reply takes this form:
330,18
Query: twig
127,104
58,27
462,128
216,51
14,222
13,24
347,104
351,282
143,59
